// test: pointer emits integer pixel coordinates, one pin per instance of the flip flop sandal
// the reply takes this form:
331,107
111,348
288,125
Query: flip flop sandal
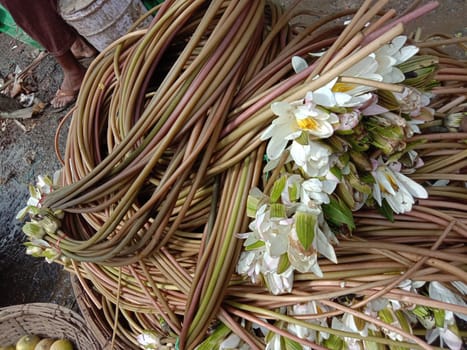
63,98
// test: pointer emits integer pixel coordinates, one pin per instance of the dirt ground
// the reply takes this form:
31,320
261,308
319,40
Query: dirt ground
27,150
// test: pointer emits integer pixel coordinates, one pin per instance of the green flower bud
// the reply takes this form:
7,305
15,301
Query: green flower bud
33,230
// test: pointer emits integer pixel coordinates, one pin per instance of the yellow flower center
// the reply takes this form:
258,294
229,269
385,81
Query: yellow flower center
307,124
342,87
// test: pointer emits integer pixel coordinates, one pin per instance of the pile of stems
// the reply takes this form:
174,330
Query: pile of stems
164,146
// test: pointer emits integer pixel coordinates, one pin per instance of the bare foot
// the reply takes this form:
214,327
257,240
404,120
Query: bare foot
81,49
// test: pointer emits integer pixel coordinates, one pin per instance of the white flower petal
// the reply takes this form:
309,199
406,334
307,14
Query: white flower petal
324,247
411,186
231,342
275,148
281,108
438,291
299,64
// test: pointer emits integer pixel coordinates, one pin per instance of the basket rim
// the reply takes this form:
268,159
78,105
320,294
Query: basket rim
51,311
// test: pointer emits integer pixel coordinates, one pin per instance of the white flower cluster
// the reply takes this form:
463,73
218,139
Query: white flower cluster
289,229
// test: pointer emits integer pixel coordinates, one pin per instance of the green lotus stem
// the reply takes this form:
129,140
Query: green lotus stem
210,296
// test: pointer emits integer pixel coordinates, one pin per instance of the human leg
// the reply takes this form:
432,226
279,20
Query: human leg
41,20
73,74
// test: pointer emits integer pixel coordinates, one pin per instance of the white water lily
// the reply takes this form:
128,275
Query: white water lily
397,189
333,95
313,158
250,263
410,285
460,286
365,69
306,260
446,330
392,54
319,190
291,192
302,260
315,121
299,64
293,120
279,283
273,231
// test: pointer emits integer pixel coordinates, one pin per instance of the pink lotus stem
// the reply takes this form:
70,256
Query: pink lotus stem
421,11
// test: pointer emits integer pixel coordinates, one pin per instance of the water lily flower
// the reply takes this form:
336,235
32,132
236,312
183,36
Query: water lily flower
299,64
397,189
410,285
301,259
392,54
250,263
460,286
319,190
314,120
273,231
279,283
293,120
446,336
313,158
334,95
306,239
291,193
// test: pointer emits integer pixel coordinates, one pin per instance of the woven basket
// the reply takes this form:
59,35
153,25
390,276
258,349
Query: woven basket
45,320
